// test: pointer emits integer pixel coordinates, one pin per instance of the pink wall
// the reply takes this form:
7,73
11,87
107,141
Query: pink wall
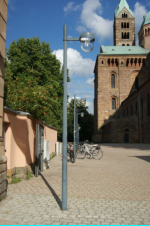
20,139
51,135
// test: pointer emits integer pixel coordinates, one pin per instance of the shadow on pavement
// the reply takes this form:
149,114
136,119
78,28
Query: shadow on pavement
52,191
138,146
145,158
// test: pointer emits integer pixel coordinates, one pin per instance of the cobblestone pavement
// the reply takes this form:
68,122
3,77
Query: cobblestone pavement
113,190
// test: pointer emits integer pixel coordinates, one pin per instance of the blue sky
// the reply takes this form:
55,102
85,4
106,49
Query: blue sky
45,19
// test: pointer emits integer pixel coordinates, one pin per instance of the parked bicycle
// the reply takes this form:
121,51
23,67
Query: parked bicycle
92,150
70,151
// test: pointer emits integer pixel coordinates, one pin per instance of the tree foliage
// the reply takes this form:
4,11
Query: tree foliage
34,81
86,122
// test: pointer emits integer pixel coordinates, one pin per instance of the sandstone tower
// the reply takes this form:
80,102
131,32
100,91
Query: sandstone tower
3,160
144,33
124,25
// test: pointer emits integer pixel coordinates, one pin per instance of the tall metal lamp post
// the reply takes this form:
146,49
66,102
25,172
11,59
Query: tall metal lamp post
87,44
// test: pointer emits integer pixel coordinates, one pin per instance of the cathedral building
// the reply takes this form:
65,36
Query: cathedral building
121,85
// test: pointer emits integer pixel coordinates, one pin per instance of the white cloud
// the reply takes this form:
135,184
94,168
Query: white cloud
90,82
90,107
91,19
139,12
71,7
81,29
75,63
11,4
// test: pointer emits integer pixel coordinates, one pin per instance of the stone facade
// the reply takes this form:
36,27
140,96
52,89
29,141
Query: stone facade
3,160
133,123
125,69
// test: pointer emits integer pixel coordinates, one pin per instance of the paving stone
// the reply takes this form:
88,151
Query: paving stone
96,194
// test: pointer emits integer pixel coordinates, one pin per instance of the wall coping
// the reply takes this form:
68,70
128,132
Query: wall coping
28,115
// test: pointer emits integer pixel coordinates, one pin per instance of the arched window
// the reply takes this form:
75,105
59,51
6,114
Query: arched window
124,25
127,35
112,81
136,108
128,45
113,101
146,32
136,83
123,44
126,15
141,108
102,62
148,105
128,25
121,25
122,36
122,15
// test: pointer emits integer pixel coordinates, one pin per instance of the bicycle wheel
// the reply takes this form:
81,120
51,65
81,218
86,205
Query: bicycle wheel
72,157
80,153
97,154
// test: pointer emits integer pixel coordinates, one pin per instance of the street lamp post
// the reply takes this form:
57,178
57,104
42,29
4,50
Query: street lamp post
87,44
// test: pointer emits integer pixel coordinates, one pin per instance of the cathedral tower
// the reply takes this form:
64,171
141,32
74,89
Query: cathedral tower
124,25
144,33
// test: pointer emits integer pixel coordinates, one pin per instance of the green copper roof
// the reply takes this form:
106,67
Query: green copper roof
146,19
123,50
120,6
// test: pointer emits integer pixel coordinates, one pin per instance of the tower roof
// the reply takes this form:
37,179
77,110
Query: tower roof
146,19
123,50
121,5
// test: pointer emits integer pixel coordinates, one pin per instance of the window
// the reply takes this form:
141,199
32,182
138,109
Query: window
128,25
148,105
128,45
113,103
136,83
112,81
136,108
141,108
121,25
124,15
123,44
102,62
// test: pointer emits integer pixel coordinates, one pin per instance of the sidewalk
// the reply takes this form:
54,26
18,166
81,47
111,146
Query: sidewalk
113,190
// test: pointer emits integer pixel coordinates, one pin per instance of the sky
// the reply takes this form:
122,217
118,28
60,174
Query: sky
45,19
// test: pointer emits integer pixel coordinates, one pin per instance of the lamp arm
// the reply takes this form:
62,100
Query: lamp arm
72,39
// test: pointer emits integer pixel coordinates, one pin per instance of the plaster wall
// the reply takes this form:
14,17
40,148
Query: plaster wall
20,138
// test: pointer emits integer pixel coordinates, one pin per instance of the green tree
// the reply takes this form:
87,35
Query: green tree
86,122
34,81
